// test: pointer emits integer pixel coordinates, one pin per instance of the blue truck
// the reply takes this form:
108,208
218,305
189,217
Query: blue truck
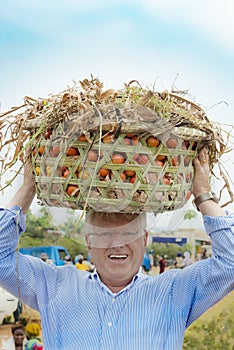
56,254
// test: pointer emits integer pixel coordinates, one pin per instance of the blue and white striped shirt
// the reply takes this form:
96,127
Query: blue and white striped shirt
79,312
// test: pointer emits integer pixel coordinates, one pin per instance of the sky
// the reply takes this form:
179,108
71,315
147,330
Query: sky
188,45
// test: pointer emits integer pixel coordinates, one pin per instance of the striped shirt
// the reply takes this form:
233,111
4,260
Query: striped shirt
79,312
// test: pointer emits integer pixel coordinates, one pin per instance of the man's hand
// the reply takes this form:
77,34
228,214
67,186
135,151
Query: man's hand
201,185
27,191
202,172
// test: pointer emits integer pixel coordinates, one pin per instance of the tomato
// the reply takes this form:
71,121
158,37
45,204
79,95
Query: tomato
41,150
132,179
188,177
72,190
127,141
135,140
159,162
47,134
66,172
72,151
108,138
175,160
166,181
130,173
92,156
188,195
54,151
185,144
130,134
142,159
152,141
186,160
172,143
117,158
135,157
104,172
82,138
161,157
123,176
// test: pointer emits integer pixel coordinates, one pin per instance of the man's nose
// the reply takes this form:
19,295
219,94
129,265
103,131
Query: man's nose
117,241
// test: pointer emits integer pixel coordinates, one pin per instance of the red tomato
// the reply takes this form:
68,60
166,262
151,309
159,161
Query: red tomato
172,143
117,158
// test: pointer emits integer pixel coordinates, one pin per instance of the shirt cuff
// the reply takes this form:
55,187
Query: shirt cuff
14,212
216,223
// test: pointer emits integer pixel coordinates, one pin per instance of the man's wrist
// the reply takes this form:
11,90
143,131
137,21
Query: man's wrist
205,197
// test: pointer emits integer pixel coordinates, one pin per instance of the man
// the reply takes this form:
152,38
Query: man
117,306
162,264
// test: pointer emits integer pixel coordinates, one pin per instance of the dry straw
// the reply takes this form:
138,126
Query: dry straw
129,150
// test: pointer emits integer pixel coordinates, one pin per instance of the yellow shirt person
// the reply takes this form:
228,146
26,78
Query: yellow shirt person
81,266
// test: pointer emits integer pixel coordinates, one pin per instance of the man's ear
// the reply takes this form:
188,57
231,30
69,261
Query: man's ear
145,238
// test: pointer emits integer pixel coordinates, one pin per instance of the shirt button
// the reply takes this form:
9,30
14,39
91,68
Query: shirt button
109,324
113,300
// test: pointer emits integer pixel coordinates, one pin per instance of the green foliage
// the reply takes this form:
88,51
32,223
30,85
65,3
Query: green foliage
73,225
41,231
7,320
169,249
37,226
190,214
74,247
213,330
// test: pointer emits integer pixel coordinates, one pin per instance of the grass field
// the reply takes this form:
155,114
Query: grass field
214,329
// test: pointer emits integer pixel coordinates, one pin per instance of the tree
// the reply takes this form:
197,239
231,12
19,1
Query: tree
190,214
37,226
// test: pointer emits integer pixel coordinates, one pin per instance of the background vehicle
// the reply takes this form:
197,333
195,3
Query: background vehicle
56,254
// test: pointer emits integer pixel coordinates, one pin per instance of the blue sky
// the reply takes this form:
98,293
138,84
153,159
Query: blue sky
45,45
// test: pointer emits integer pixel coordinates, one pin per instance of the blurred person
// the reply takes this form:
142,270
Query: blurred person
17,340
187,261
112,307
91,267
79,256
18,311
179,261
68,260
44,257
204,254
34,341
146,264
80,265
162,264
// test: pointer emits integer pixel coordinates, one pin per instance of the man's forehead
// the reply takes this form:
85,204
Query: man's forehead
103,230
110,219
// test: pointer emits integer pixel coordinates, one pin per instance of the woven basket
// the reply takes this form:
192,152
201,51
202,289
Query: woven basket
115,168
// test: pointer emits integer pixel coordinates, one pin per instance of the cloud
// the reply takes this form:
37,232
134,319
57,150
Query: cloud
213,19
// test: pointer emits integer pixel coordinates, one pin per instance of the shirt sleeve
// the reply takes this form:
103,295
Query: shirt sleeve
17,271
204,283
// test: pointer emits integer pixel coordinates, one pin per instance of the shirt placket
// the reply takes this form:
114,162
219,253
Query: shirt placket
110,321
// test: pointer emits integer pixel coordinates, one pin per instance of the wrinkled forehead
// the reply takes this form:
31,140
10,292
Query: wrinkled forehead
96,222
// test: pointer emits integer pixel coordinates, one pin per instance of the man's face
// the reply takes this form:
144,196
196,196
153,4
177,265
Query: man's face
121,258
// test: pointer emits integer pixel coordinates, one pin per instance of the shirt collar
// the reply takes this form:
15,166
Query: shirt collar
95,277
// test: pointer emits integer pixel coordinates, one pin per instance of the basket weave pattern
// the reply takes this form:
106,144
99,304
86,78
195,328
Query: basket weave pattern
129,172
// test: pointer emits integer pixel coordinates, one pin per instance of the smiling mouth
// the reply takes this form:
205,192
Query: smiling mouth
118,256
